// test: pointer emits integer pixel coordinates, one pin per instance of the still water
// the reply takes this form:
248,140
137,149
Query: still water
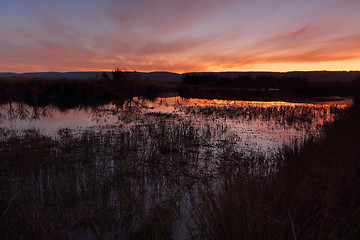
252,125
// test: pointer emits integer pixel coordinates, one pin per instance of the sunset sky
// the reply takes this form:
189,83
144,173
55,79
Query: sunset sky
179,35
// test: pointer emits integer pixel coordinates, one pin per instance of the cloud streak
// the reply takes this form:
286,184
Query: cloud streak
178,36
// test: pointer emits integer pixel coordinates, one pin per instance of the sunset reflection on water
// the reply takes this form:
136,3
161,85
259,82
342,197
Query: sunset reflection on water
261,126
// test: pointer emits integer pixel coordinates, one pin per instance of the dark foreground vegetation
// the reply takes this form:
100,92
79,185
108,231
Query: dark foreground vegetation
113,184
314,194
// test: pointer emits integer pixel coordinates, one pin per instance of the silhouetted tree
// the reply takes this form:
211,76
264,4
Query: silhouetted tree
118,75
125,76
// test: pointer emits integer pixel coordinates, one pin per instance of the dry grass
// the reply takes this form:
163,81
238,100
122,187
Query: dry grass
314,194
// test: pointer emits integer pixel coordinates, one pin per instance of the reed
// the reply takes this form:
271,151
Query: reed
313,194
113,183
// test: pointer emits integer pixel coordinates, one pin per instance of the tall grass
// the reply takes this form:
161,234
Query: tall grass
115,183
314,193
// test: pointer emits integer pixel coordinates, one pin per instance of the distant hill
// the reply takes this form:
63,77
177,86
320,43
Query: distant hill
163,76
315,76
155,76
73,75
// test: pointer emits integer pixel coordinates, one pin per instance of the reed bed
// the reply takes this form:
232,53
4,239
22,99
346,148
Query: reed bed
313,194
149,179
113,183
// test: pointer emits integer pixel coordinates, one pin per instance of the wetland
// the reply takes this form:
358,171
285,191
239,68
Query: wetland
159,168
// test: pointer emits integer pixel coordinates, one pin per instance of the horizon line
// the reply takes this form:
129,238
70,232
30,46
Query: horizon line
160,71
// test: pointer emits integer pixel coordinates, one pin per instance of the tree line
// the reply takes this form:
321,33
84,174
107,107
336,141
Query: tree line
244,81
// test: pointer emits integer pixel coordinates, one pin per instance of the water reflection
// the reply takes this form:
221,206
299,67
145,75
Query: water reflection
261,126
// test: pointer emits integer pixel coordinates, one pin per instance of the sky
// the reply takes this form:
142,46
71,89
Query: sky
179,35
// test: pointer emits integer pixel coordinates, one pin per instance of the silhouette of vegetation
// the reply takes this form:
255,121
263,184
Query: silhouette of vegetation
105,76
64,93
356,81
264,86
108,184
245,81
313,194
125,76
329,89
69,93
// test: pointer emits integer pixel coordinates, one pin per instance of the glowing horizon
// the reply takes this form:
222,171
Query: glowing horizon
186,36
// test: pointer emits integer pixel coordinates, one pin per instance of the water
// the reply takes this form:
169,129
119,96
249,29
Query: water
256,125
131,160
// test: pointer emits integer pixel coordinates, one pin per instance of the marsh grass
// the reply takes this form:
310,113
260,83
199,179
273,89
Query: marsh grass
314,193
111,183
135,180
285,115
